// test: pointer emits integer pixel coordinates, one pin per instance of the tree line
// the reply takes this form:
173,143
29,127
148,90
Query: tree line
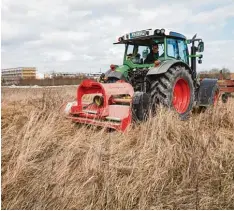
225,73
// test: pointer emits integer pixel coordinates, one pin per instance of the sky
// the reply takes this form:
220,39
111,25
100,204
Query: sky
78,36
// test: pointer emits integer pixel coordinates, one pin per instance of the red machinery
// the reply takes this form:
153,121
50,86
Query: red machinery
226,87
110,106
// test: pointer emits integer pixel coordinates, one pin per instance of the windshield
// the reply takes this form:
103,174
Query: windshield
145,54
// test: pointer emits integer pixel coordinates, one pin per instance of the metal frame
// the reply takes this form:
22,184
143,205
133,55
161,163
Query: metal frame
103,115
225,86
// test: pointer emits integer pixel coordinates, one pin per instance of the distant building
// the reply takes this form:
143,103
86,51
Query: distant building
93,75
47,75
60,74
64,75
14,75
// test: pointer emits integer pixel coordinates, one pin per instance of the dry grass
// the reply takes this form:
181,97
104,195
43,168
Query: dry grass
50,163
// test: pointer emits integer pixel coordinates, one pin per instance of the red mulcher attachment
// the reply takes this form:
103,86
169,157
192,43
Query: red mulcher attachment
110,106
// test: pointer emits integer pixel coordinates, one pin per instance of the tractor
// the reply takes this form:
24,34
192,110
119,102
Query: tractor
157,69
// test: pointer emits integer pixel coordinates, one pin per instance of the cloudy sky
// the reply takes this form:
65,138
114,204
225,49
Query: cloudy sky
78,35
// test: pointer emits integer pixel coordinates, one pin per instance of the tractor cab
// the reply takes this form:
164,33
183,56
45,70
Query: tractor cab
171,46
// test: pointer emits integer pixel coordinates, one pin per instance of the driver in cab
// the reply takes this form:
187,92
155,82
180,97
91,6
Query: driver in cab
153,55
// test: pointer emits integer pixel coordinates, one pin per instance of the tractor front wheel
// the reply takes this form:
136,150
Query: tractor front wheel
174,89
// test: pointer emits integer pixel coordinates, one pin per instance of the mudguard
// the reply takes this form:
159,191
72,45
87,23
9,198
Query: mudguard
164,66
206,92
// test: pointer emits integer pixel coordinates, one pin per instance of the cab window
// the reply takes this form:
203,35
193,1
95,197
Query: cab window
177,49
138,53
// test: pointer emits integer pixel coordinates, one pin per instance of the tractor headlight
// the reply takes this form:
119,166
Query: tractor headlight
162,31
98,100
157,31
121,39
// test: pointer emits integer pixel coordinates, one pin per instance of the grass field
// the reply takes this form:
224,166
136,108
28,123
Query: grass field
50,163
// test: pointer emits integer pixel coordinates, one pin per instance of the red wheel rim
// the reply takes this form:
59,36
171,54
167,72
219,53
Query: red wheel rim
181,96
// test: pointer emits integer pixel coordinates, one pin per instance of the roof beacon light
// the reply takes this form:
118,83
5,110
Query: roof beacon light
112,67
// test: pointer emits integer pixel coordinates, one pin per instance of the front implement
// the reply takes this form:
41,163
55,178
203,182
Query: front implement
109,105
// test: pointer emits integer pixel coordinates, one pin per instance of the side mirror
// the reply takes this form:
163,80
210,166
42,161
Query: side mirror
200,47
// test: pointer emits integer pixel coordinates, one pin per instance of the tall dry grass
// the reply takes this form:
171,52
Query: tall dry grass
50,163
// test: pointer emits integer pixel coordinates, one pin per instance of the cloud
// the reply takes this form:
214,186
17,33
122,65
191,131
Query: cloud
217,15
219,53
74,35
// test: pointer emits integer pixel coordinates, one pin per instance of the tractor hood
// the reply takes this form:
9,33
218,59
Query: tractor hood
120,72
123,69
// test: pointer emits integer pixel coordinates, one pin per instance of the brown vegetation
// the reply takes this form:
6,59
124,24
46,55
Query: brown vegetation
56,81
50,163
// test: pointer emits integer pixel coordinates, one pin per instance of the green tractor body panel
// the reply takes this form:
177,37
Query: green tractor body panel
123,69
131,65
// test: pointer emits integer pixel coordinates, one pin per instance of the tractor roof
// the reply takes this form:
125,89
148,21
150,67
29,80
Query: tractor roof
148,34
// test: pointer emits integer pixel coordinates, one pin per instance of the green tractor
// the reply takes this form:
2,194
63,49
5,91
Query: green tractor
158,65
157,69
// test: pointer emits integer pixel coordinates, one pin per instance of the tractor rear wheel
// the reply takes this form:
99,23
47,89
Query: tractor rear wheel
174,89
